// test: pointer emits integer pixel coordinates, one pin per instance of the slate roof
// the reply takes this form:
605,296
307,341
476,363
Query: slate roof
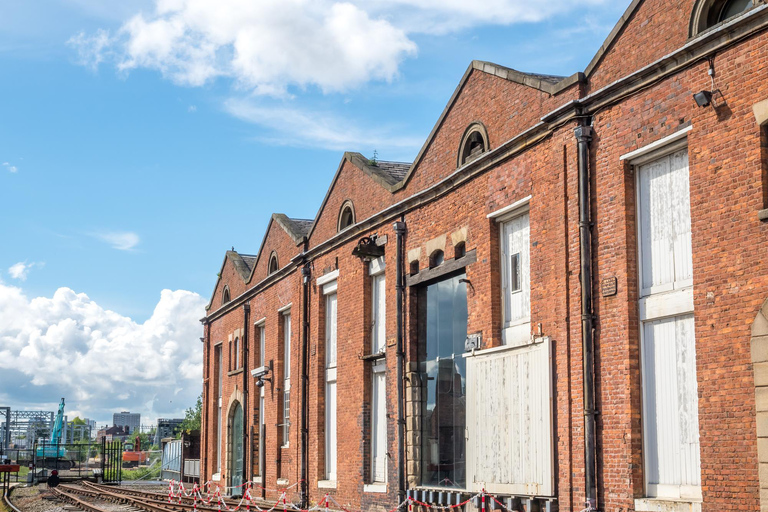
395,170
302,226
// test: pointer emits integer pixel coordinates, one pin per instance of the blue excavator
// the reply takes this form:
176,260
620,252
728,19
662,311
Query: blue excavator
50,453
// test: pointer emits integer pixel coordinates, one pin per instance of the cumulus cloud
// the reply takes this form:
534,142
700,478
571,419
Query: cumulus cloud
11,168
100,361
21,269
302,127
120,240
263,46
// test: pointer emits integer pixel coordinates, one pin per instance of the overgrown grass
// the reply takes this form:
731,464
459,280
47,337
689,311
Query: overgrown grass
142,473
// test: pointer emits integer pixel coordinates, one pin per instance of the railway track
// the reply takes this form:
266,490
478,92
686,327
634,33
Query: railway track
139,501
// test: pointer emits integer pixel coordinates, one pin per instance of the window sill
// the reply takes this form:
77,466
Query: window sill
257,480
235,372
377,487
666,505
286,445
326,484
763,214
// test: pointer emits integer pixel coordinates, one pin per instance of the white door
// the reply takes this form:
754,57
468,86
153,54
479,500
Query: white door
516,279
671,408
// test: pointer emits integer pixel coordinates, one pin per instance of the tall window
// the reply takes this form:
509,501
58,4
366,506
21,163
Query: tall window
442,331
330,380
273,264
286,378
379,384
219,392
668,342
237,354
516,279
262,347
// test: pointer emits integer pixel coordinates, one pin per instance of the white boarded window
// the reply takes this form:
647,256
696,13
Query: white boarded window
330,384
516,279
286,378
262,348
509,420
668,342
379,373
665,224
237,353
379,314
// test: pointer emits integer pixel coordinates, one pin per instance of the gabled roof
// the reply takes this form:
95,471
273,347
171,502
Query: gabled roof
297,229
244,265
387,174
549,84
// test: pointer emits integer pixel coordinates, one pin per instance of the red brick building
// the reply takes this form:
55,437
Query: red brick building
561,300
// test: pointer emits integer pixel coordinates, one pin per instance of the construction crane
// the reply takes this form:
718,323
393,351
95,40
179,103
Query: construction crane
51,453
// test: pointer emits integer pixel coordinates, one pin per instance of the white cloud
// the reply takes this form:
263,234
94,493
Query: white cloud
68,345
120,240
11,168
301,127
21,269
263,46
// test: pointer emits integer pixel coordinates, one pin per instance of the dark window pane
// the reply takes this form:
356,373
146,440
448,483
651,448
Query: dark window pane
444,376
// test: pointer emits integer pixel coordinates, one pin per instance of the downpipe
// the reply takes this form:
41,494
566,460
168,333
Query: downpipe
306,273
583,135
248,449
400,230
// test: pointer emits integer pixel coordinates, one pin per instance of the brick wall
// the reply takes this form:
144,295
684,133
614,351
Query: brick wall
728,186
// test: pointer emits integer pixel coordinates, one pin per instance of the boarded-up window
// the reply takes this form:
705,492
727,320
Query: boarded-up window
286,378
378,384
665,224
509,420
668,342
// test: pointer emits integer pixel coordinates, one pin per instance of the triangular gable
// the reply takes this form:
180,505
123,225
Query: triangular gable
657,27
296,229
243,265
388,175
549,84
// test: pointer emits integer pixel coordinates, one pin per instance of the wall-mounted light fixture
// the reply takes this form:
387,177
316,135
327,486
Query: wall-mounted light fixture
711,97
703,98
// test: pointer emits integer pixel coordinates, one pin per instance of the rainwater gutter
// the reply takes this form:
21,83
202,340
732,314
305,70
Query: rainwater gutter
306,274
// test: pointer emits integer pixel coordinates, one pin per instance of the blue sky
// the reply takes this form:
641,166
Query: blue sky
139,140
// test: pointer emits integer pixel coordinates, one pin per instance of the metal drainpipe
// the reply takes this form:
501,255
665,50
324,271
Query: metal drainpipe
583,137
247,451
306,273
400,230
206,339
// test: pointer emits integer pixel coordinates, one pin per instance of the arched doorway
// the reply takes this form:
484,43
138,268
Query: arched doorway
236,451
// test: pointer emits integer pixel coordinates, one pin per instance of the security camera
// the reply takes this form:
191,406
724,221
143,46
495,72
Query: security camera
261,371
259,383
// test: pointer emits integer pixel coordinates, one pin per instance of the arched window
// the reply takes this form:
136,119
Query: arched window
459,250
436,258
346,215
225,296
708,13
273,265
473,143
